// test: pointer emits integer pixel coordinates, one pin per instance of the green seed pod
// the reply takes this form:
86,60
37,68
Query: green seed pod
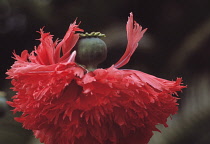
91,51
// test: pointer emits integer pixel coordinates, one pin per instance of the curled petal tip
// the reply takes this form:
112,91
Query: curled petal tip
144,30
72,57
134,35
131,13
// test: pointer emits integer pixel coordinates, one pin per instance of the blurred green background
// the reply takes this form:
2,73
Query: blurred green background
177,44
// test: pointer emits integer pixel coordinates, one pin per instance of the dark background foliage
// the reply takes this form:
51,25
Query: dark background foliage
177,44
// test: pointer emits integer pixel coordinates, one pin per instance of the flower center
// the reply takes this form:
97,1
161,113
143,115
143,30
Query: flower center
91,50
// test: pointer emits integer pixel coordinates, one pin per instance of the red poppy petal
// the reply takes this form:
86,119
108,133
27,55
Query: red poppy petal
68,42
130,104
134,35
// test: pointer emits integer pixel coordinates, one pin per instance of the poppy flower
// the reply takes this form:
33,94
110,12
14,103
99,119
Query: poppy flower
65,99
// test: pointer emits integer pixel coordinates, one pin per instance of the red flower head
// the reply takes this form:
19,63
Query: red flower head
63,102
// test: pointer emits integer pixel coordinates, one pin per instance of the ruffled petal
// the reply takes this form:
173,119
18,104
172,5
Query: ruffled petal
127,104
134,35
45,97
45,51
103,106
68,42
48,52
33,81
